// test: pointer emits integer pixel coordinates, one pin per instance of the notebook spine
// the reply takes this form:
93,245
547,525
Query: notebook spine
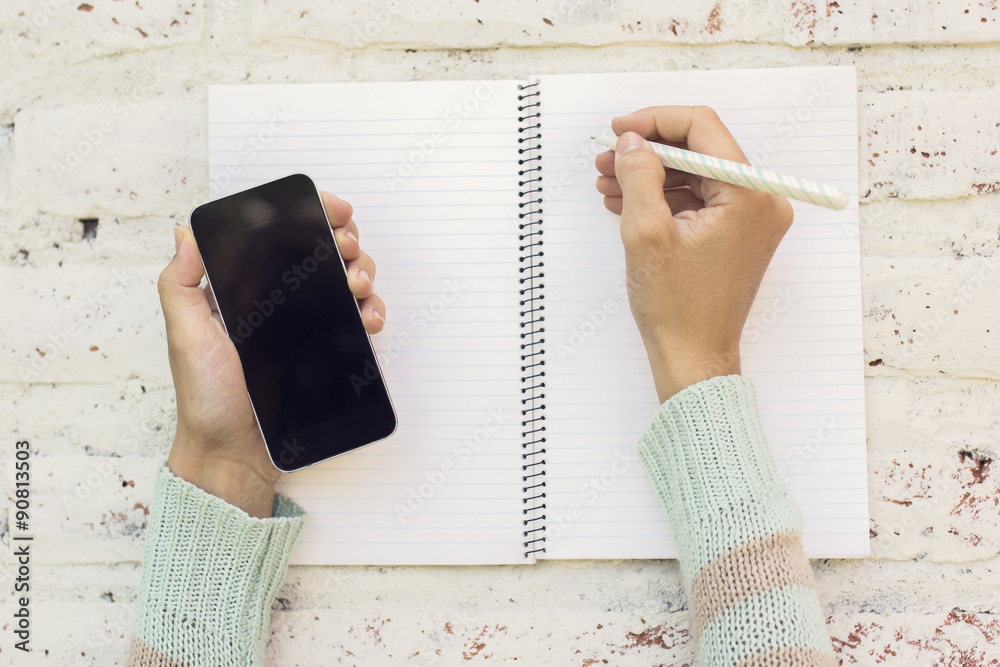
532,318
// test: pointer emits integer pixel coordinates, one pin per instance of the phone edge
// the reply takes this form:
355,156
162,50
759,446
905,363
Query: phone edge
392,405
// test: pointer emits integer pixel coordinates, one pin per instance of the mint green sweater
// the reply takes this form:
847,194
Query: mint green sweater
210,571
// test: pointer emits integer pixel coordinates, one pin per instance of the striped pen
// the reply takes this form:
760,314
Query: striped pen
743,175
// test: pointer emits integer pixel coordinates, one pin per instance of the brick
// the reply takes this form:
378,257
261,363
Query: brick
930,316
950,638
40,241
452,24
935,507
900,228
626,611
89,326
934,415
919,68
645,587
89,509
447,637
128,418
969,69
892,22
929,145
890,587
81,635
99,160
94,583
73,31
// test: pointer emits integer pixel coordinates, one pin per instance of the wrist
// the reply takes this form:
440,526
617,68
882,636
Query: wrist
235,482
675,369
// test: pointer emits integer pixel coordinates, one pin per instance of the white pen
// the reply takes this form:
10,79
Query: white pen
744,175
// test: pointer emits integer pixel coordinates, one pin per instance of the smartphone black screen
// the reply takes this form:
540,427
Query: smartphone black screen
281,287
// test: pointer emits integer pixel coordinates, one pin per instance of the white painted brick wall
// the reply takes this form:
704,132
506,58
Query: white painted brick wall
75,31
493,23
892,22
920,144
111,165
124,82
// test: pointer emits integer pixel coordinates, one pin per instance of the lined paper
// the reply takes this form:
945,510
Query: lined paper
802,344
431,170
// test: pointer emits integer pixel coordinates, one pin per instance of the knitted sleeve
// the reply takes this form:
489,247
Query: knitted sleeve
752,596
209,575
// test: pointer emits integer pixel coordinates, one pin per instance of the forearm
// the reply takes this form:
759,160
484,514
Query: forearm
738,531
210,573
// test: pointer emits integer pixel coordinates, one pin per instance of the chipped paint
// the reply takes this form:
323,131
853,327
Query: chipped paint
929,141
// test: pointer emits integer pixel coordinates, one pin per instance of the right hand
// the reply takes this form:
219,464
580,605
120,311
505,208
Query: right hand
695,249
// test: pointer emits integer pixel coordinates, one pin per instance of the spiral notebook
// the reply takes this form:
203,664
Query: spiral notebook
520,381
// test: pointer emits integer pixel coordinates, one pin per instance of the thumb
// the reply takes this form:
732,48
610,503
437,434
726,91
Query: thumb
180,295
641,176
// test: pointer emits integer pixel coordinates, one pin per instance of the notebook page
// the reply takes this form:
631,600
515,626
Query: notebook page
802,344
431,170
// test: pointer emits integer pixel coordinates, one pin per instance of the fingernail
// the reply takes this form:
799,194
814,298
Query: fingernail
178,237
378,316
364,276
349,234
629,142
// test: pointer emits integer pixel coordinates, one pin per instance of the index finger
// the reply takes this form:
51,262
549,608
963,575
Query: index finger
337,210
699,127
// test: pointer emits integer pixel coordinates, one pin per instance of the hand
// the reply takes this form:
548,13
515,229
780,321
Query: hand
218,446
695,249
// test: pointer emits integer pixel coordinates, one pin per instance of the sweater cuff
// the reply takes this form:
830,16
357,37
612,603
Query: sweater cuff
210,573
710,461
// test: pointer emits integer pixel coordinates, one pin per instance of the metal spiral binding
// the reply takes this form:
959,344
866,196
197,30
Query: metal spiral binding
532,320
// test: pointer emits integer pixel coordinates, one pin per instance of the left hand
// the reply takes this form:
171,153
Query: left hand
218,445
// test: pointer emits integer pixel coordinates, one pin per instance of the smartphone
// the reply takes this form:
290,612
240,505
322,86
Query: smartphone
281,287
